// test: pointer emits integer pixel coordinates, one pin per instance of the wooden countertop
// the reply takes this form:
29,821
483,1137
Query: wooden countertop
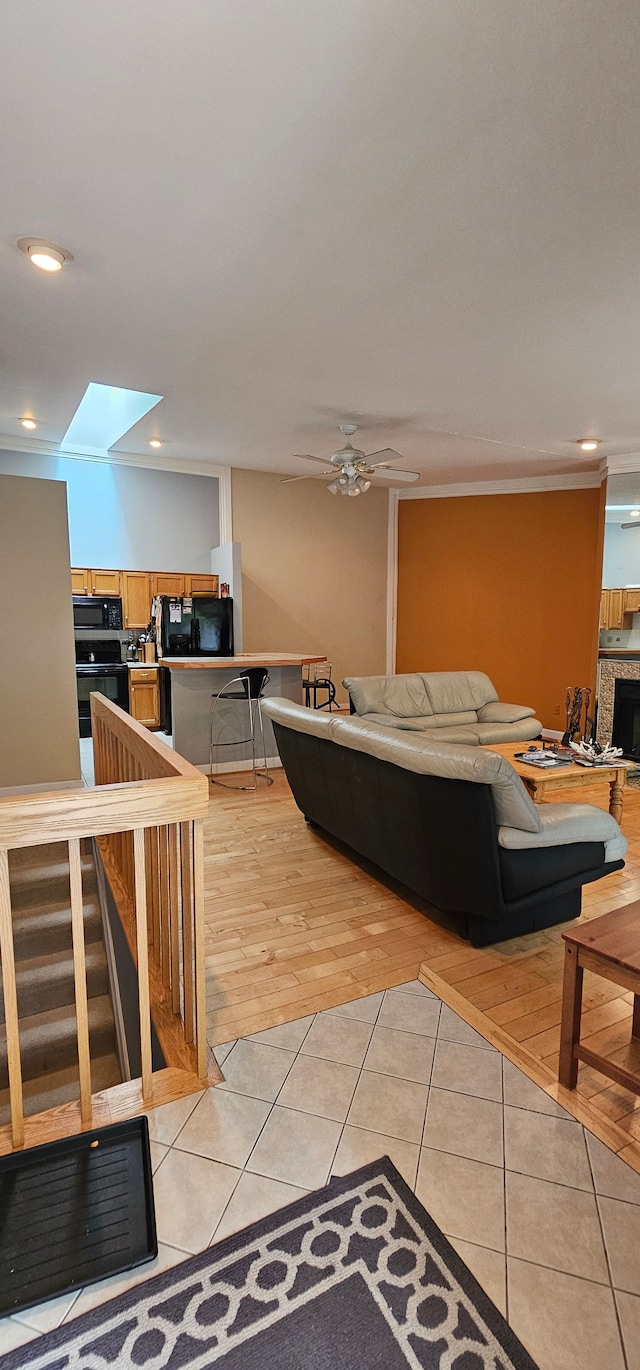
224,663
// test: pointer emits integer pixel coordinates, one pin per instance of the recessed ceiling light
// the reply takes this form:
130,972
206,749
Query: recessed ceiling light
589,444
28,423
634,514
155,442
47,256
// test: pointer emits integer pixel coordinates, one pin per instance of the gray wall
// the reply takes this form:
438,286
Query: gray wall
130,517
38,702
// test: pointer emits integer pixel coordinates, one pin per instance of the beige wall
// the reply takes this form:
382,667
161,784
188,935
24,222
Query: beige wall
38,708
314,569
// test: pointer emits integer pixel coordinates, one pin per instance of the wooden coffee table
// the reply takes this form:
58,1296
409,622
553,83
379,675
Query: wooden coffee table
610,947
541,784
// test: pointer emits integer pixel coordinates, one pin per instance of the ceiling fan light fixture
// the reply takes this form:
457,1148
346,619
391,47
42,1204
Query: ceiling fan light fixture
333,487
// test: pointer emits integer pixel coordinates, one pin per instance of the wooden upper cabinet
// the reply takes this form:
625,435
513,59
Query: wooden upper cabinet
616,609
164,583
604,608
201,585
630,601
105,582
136,598
95,582
80,582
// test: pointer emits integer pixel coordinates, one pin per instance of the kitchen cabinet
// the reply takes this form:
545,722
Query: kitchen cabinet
201,585
163,583
616,609
136,599
87,582
631,601
144,695
604,608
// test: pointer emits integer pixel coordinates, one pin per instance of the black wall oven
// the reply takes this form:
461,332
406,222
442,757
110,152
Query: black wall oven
98,668
98,611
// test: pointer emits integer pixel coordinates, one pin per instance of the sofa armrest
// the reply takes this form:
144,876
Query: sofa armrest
504,713
561,824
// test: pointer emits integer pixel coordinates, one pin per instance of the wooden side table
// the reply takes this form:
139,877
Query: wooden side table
610,947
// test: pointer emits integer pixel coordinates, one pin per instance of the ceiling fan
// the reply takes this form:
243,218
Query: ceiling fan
350,468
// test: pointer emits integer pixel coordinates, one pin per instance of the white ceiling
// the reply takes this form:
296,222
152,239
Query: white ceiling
286,213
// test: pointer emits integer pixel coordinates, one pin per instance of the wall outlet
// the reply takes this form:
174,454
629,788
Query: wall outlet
557,709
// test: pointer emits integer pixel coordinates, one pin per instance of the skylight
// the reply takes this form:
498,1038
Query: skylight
104,414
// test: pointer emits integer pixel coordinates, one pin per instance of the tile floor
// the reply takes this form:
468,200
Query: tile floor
544,1215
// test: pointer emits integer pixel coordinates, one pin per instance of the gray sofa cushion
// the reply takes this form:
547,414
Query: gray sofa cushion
524,731
424,723
562,824
425,754
504,713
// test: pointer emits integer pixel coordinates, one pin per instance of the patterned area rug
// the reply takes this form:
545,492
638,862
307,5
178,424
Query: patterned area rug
356,1275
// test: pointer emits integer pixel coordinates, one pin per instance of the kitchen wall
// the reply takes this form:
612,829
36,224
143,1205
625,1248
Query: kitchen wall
38,702
621,554
314,569
507,584
131,517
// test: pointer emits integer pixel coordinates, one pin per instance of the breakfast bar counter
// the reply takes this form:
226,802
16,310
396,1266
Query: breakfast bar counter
190,682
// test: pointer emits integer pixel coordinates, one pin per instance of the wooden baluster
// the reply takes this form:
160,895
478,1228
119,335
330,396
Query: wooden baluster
143,960
10,1004
174,916
80,978
198,918
155,895
187,930
165,947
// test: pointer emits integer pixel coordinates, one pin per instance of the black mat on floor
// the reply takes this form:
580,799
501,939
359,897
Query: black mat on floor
356,1275
73,1212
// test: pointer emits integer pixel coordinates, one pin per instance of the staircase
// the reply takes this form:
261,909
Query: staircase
43,951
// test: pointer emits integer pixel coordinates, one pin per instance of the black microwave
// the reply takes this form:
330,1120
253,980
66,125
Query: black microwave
98,611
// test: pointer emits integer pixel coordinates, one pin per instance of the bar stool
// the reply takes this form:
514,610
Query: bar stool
252,682
319,679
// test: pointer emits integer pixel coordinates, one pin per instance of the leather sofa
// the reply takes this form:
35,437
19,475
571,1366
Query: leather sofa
454,823
462,705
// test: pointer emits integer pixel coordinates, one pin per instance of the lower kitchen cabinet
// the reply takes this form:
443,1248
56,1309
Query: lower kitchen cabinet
144,695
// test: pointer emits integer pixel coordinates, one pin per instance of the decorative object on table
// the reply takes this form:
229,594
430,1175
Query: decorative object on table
55,1200
576,697
592,754
356,1274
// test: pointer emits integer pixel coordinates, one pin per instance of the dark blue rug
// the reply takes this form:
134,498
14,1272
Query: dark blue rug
353,1277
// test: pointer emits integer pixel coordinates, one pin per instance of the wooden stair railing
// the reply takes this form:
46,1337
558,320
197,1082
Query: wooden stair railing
146,812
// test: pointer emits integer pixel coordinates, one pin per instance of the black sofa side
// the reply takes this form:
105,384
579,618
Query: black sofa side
439,837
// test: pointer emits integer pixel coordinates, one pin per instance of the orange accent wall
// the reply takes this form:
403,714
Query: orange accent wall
507,584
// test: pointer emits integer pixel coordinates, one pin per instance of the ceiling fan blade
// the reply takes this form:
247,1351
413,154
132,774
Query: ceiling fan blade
631,525
286,480
304,456
393,473
386,454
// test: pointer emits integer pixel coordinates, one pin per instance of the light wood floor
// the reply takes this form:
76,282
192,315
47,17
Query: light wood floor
295,925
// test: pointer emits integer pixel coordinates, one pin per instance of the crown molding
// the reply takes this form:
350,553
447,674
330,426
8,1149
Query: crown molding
525,485
39,447
620,466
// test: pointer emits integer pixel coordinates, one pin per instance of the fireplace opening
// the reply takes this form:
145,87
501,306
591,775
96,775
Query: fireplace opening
626,718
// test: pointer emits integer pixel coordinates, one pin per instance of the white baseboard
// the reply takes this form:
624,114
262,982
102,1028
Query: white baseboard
8,791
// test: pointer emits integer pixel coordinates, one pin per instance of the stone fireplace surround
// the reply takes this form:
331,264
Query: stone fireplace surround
609,672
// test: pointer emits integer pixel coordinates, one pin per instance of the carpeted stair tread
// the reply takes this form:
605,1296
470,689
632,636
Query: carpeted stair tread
47,928
48,1040
61,1087
46,883
47,982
